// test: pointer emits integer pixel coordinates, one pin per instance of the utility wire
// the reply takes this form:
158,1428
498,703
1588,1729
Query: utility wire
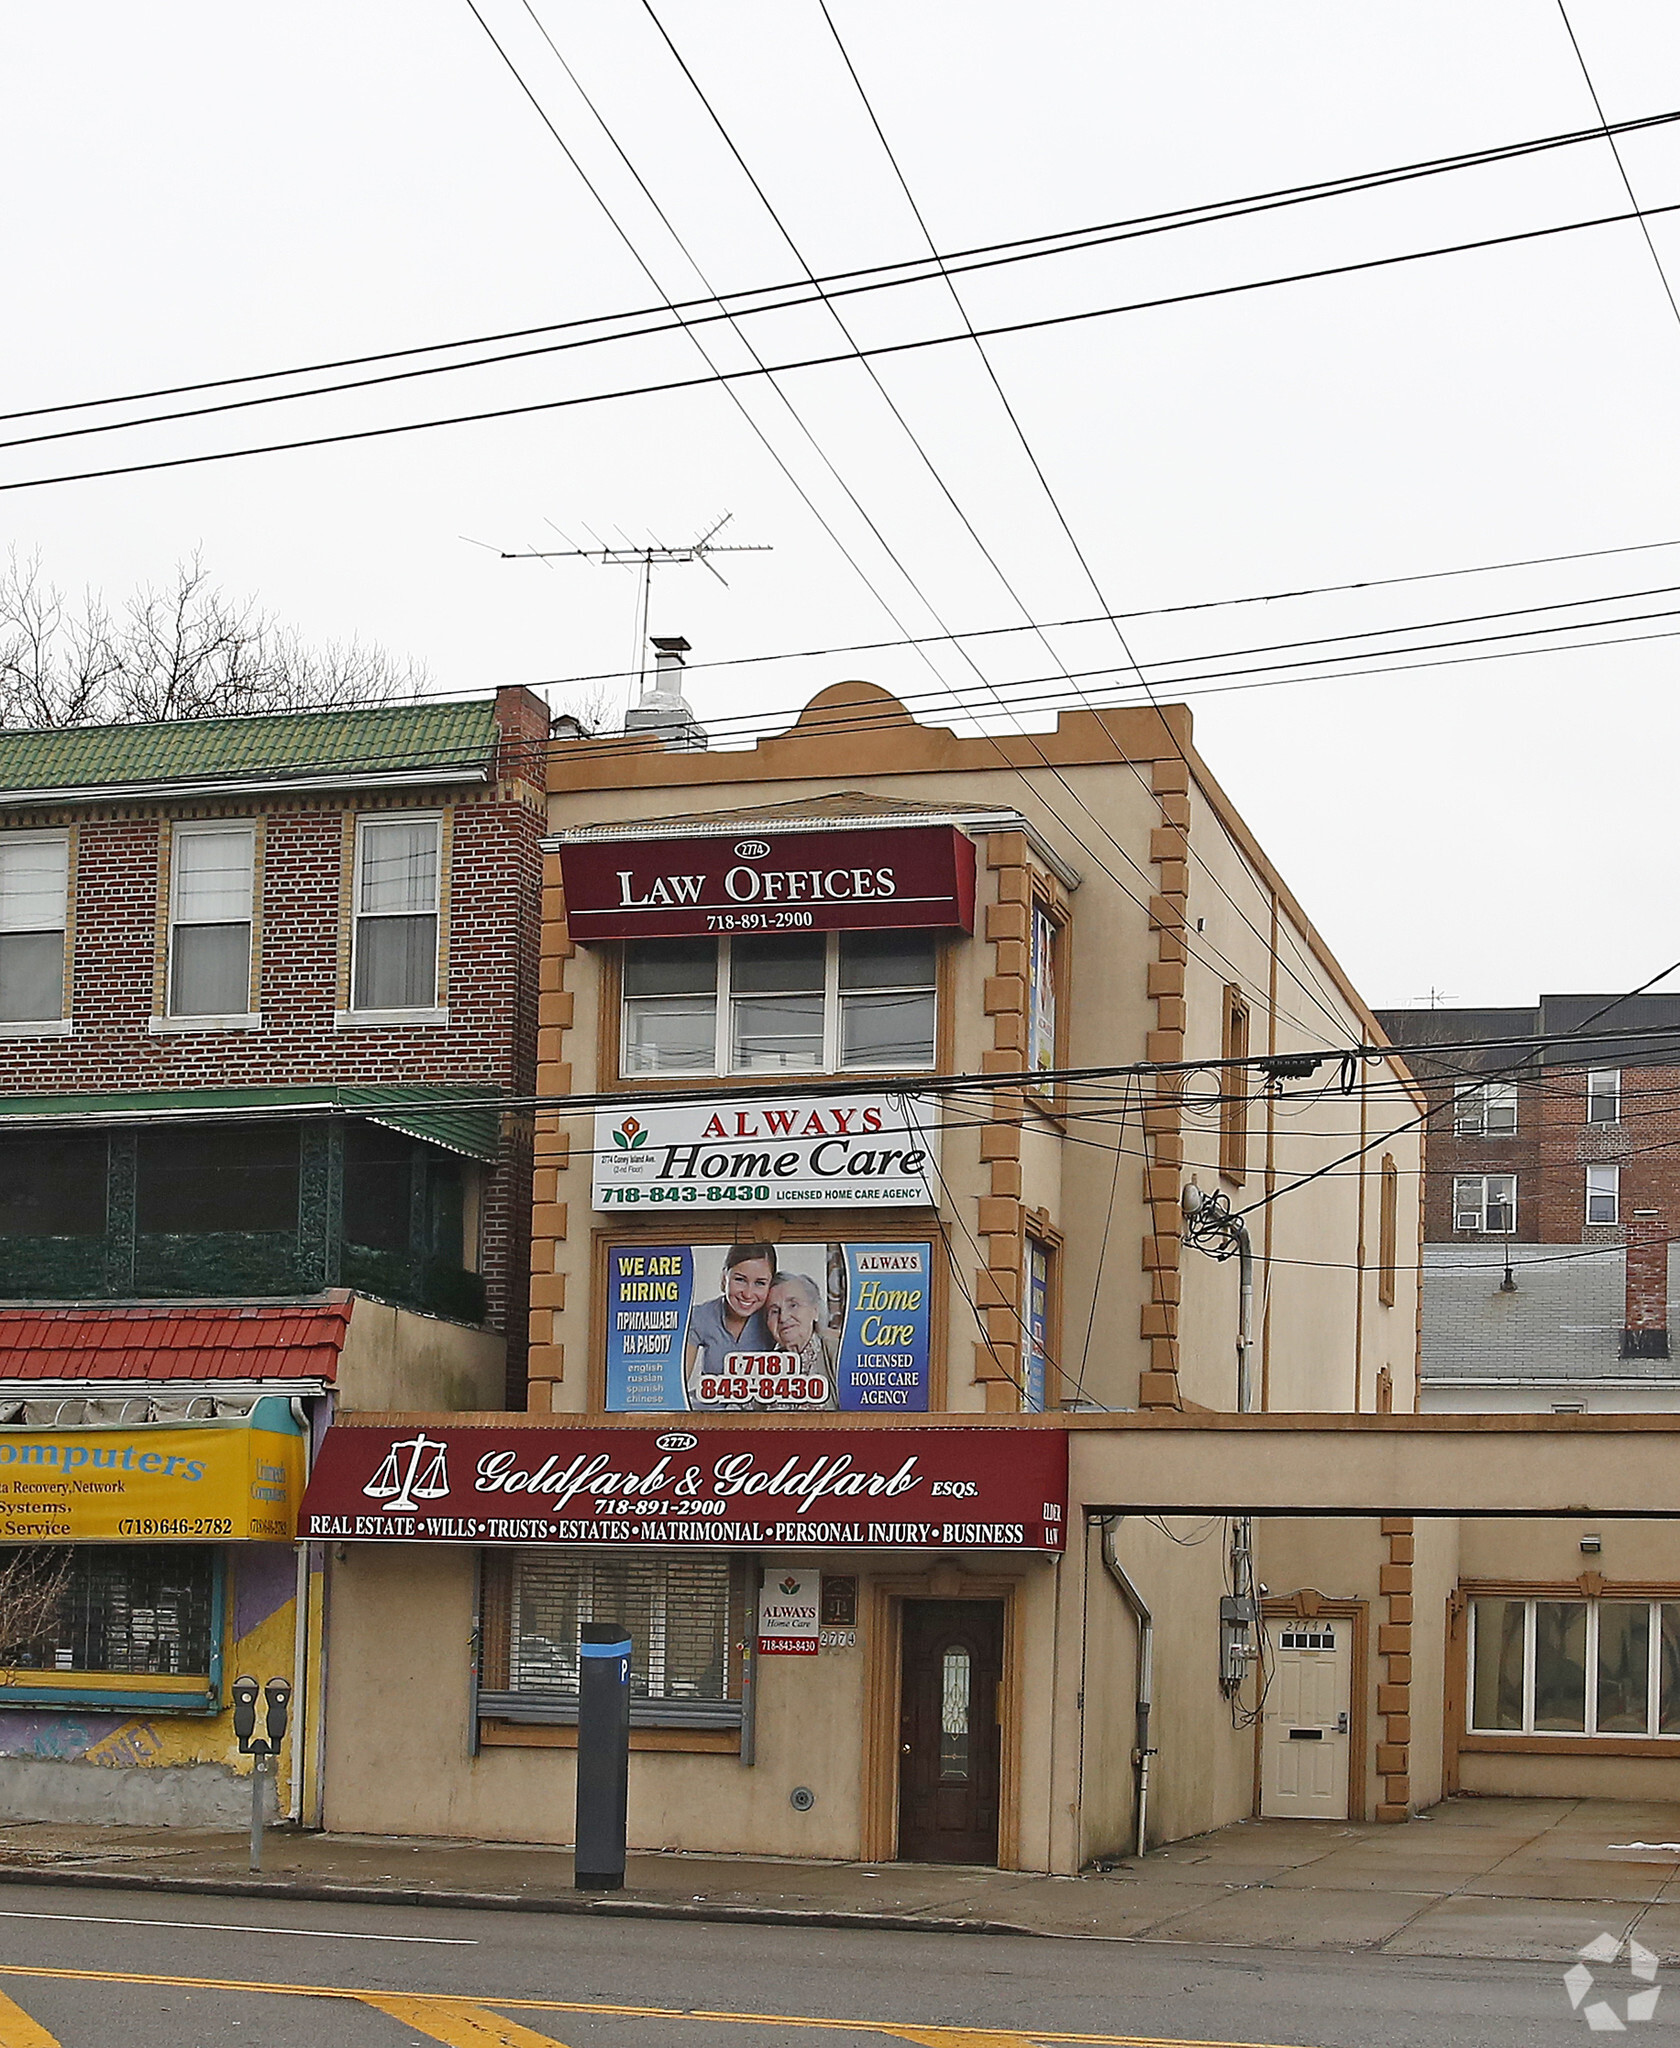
875,350
1312,993
1621,166
912,271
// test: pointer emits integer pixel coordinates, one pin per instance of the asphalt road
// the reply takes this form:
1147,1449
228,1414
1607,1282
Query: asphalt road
90,1969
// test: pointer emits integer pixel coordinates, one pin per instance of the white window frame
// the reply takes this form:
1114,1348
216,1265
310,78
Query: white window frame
235,1020
1609,1179
58,1021
1473,1102
1611,1094
724,1023
1480,1205
424,1013
1652,1731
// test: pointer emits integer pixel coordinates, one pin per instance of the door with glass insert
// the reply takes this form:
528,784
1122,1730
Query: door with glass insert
948,1731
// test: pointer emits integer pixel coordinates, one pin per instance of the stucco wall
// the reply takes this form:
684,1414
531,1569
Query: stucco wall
394,1358
399,1751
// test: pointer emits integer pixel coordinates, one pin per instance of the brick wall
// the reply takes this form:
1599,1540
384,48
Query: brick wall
492,888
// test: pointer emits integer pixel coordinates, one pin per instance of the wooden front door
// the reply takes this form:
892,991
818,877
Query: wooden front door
948,1731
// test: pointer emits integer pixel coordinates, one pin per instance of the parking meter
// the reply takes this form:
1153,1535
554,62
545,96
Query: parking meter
261,1749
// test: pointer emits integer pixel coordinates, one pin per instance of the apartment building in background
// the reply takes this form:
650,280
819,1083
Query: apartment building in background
263,982
1549,1281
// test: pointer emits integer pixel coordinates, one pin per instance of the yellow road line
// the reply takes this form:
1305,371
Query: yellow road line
905,2030
18,2030
460,2024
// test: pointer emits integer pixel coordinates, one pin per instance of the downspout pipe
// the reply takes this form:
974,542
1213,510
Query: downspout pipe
1145,1666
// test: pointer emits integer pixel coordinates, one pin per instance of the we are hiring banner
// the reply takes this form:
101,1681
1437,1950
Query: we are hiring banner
808,1324
839,1487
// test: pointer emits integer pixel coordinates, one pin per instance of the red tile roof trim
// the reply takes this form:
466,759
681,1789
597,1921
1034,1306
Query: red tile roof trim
176,1341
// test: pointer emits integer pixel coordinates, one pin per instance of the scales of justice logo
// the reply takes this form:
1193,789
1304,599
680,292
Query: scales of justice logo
400,1487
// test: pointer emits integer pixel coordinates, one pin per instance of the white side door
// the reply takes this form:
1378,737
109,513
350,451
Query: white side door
1304,1747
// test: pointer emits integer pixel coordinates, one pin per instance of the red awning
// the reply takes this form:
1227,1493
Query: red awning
176,1341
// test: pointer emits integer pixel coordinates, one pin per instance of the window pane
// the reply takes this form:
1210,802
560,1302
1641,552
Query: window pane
396,963
212,877
778,1034
1604,1095
670,1035
886,1030
139,1608
1468,1110
670,967
770,966
378,1187
956,1672
31,976
33,876
1624,1636
211,976
1501,1098
1041,995
52,1187
232,1177
1501,1203
1497,1695
886,960
400,866
1560,1664
1668,1671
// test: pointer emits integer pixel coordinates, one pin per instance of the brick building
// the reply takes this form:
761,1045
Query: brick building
1558,1146
262,983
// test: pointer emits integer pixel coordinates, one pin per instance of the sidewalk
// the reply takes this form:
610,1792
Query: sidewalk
1528,1879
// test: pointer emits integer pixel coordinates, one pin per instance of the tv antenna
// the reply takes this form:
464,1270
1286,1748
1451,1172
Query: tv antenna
644,560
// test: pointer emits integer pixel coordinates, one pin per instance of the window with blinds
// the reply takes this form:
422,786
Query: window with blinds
684,1615
34,894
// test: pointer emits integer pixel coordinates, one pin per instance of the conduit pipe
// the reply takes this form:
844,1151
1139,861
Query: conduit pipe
1145,1666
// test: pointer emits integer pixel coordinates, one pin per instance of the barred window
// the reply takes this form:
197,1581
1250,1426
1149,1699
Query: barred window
129,1609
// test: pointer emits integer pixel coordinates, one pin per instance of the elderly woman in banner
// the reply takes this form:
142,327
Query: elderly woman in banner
794,1312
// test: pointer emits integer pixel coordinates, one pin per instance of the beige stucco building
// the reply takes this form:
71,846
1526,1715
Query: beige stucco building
923,1279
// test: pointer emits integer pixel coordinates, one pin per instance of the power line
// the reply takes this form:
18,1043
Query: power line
1621,166
663,386
934,472
912,271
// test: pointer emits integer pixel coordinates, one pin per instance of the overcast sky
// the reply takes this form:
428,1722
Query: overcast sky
201,191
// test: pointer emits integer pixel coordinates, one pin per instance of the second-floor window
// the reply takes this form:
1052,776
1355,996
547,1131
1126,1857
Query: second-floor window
210,920
1604,1095
1604,1194
1485,1202
34,871
836,1002
396,945
1485,1109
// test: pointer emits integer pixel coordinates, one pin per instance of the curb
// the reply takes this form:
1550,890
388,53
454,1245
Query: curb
596,1908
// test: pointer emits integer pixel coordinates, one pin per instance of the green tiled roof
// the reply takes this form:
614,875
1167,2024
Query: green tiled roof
389,740
457,1119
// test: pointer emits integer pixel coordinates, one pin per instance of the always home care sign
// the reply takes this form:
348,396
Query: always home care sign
862,1150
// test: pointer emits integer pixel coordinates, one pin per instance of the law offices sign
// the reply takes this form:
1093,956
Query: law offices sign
899,1489
901,877
864,1149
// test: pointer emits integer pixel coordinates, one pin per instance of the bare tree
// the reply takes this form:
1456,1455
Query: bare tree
184,651
33,1580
